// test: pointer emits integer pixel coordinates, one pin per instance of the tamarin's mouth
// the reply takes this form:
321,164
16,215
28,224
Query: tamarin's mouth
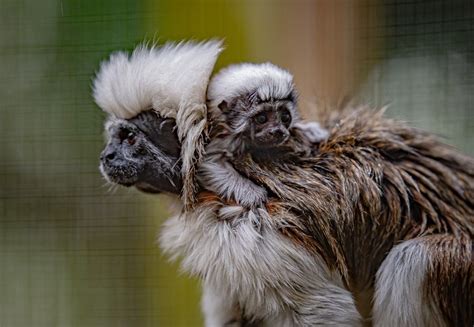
123,175
273,141
148,188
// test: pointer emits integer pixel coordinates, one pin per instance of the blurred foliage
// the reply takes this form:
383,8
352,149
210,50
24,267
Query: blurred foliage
201,20
74,252
424,71
71,252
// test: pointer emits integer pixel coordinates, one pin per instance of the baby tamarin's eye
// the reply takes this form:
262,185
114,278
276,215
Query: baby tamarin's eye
261,118
285,116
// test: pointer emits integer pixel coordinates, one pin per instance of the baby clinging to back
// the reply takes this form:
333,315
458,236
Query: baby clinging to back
252,111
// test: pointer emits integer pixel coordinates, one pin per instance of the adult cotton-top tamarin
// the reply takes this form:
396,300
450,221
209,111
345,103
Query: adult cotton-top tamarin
376,226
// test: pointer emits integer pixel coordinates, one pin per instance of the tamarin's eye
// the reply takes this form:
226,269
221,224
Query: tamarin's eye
261,118
126,134
285,116
131,138
123,133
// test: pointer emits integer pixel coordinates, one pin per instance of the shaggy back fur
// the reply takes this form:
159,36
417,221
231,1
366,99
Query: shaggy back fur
372,184
376,167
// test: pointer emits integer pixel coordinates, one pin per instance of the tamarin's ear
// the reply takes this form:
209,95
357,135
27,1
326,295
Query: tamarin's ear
224,107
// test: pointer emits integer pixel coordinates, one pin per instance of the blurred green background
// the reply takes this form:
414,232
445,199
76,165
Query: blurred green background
75,252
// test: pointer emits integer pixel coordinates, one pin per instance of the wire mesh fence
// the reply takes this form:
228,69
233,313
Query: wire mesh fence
75,251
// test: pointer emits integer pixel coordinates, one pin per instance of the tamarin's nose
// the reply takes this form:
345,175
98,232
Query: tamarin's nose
107,155
273,130
278,133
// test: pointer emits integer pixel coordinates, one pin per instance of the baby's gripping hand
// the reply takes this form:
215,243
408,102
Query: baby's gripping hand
313,131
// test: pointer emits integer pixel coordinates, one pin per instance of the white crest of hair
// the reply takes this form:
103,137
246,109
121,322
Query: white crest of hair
172,80
267,80
161,78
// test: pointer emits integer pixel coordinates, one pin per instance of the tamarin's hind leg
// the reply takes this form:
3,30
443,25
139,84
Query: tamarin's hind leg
426,281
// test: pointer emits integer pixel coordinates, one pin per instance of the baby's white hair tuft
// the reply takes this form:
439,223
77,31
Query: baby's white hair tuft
267,80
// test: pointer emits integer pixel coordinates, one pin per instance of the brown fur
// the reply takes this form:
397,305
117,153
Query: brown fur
374,183
450,278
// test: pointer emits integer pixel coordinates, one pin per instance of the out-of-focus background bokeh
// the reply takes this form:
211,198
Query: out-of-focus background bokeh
74,252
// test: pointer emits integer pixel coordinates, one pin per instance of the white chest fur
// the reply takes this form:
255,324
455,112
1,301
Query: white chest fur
241,254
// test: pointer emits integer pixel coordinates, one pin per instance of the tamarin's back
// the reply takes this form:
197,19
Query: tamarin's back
374,183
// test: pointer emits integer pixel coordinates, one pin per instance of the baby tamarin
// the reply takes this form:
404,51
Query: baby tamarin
253,110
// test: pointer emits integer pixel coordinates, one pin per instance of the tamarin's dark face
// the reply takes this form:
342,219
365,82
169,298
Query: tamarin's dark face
263,124
269,126
142,152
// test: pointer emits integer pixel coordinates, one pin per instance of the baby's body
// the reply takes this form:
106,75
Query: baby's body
253,111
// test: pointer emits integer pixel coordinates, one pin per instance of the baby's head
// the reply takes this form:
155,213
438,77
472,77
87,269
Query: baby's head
256,101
